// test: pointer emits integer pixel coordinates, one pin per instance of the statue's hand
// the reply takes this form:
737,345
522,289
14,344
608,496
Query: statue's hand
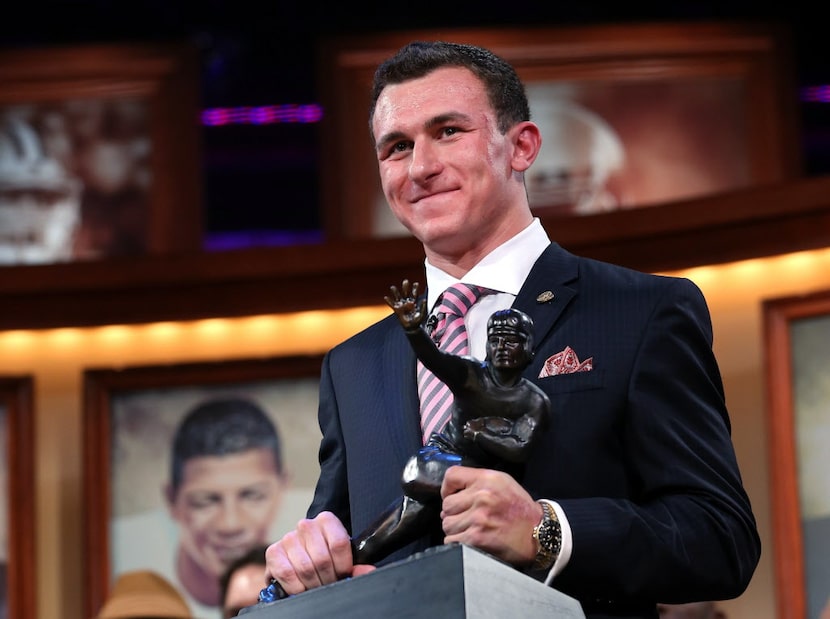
404,302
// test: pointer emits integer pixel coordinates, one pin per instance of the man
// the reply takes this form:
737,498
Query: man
637,472
242,581
226,487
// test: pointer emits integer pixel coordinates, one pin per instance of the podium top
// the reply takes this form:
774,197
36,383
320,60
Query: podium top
452,581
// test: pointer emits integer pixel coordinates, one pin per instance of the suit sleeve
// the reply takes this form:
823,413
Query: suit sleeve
686,529
332,490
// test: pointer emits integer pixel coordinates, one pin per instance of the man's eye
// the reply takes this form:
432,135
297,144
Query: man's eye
253,495
393,150
202,502
448,131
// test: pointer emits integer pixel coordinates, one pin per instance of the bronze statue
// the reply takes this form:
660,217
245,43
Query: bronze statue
494,418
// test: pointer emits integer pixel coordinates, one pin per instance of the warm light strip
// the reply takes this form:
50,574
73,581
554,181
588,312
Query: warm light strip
729,281
309,332
315,332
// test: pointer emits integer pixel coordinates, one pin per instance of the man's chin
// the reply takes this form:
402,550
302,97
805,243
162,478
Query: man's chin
443,236
226,556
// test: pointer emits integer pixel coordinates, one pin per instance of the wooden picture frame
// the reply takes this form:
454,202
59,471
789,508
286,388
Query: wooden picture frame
796,333
17,439
743,69
130,417
120,124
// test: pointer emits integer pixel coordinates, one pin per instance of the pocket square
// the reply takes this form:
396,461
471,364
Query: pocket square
566,362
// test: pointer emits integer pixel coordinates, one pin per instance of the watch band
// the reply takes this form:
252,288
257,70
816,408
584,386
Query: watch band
548,537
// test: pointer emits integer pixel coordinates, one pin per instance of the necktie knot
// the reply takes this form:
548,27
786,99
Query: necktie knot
454,303
459,298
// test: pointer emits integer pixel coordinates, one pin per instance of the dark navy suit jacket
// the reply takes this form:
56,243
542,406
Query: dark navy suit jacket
639,454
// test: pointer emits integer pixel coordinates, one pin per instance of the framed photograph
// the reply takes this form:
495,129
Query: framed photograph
17,509
187,466
632,116
797,332
99,153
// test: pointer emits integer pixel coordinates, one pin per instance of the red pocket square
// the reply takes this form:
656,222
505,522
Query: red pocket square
566,362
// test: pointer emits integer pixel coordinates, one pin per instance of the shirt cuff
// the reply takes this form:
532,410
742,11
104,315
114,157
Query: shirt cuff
567,542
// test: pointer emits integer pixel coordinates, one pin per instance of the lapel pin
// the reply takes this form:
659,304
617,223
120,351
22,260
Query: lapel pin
544,297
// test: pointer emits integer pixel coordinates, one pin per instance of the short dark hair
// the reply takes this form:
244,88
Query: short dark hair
220,427
254,556
505,90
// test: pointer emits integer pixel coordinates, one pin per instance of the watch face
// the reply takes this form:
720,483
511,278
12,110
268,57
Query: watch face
549,536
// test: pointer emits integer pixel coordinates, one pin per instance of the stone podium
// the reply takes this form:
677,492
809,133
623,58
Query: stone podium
451,582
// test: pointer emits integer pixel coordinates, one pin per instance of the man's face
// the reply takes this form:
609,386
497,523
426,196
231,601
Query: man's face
243,589
447,172
506,348
225,505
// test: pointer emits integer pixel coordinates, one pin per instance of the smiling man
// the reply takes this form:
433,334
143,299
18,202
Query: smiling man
222,496
225,489
634,495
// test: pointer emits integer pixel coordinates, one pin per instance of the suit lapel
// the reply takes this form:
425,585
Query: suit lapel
546,291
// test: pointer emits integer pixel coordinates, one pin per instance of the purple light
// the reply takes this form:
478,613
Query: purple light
224,241
816,94
262,115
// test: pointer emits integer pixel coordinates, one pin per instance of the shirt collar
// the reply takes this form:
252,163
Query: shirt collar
504,269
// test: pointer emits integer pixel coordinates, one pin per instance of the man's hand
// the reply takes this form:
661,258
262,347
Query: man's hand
318,552
404,302
490,511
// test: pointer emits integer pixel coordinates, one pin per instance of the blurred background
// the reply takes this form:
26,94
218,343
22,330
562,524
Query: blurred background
262,187
260,54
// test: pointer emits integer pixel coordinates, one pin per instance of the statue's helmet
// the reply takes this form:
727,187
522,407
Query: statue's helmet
514,322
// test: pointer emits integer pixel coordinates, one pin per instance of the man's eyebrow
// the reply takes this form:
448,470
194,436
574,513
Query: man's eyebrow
449,117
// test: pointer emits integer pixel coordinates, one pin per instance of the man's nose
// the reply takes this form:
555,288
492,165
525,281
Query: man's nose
425,162
230,517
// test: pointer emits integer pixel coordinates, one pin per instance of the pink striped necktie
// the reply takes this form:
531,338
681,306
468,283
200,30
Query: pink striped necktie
450,334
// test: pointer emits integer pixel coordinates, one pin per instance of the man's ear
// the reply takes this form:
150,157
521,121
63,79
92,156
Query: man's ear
527,142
